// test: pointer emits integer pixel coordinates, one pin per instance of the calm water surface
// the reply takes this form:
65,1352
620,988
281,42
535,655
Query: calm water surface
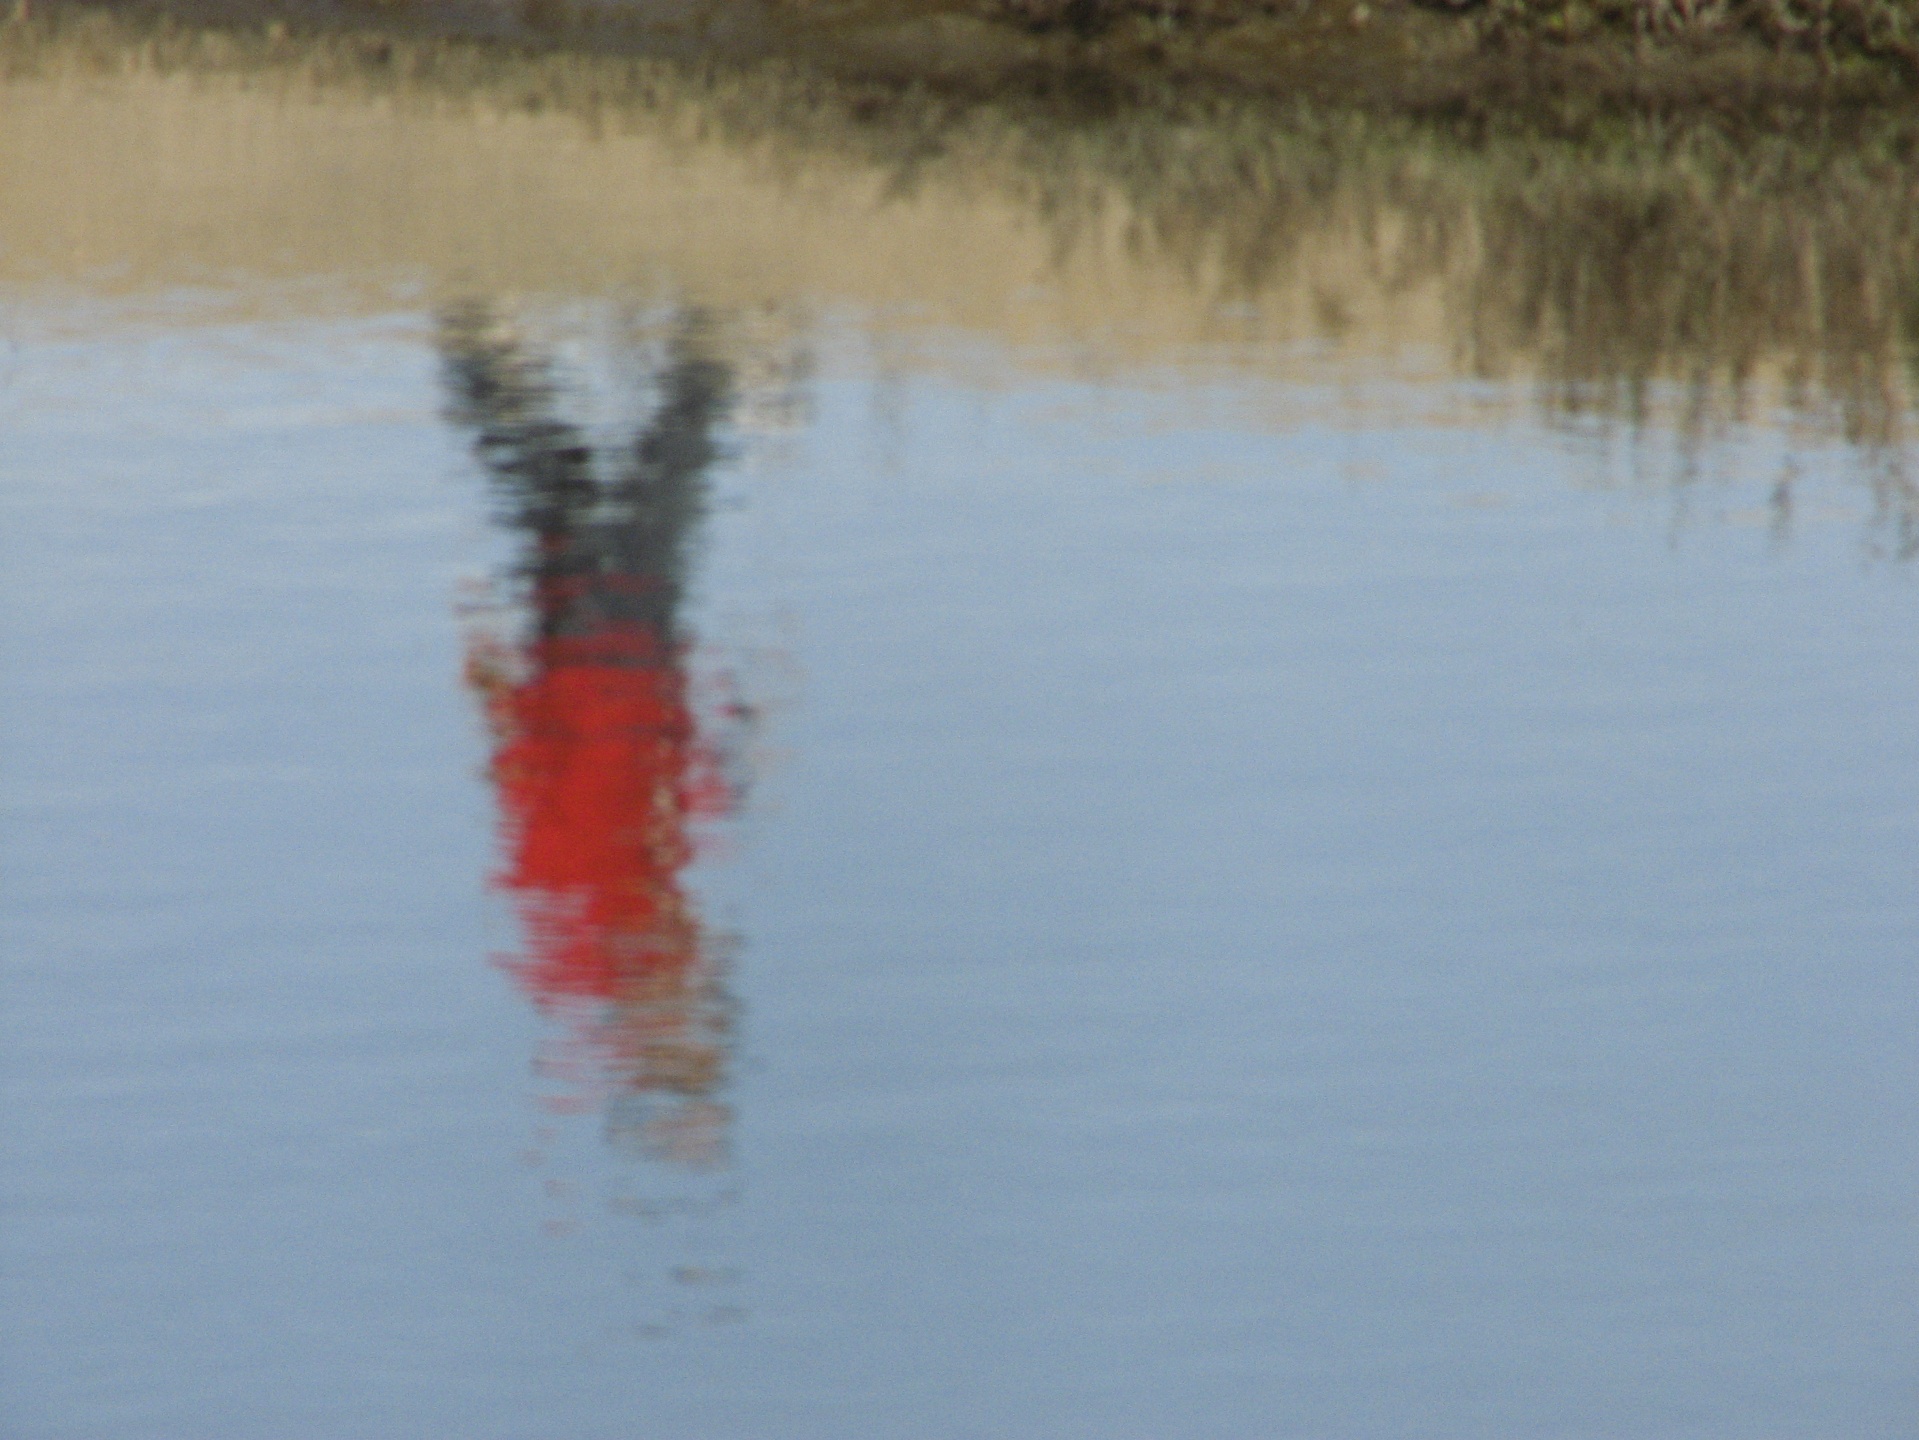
786,818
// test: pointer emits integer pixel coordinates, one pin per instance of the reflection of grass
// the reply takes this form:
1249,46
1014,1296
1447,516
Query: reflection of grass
1645,254
1620,253
1883,29
1645,265
1886,28
1698,263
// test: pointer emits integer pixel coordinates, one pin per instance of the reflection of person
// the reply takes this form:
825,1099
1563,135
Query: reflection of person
597,762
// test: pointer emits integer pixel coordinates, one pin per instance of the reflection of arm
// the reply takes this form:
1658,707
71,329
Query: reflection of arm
660,494
506,399
601,553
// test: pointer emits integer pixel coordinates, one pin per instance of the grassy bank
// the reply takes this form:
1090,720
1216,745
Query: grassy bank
1560,62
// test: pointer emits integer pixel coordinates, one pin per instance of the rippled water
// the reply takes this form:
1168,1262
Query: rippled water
664,776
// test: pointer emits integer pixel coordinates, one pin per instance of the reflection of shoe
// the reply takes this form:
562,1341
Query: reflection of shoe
687,1131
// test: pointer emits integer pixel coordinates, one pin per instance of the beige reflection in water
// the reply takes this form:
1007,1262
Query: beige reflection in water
1651,275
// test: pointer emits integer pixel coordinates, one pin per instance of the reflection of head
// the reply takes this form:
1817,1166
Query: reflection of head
598,763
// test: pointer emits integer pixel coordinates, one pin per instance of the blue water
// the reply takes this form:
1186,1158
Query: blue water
1392,925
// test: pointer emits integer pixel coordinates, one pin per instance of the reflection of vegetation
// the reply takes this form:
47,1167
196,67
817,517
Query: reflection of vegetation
1644,268
1628,263
1390,52
1867,27
1605,267
1881,30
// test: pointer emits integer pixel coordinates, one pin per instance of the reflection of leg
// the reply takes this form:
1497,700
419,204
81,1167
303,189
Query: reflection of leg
670,1020
503,395
682,1130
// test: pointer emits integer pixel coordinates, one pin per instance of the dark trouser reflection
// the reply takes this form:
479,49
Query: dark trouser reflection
598,762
